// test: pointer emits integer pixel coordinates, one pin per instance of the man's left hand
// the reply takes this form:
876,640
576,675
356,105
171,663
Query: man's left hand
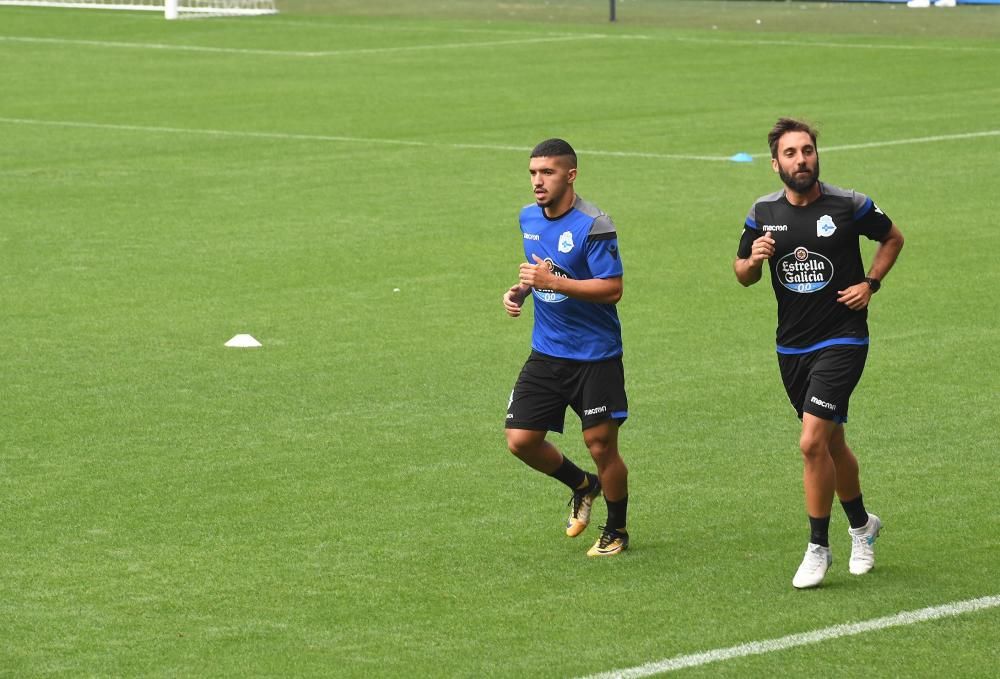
855,297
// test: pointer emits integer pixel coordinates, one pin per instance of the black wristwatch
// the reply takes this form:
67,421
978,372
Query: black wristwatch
874,284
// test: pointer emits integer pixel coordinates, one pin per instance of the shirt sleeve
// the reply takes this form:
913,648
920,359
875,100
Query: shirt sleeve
603,257
869,219
751,232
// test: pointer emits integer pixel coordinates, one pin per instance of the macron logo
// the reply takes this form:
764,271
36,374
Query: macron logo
595,411
531,236
823,404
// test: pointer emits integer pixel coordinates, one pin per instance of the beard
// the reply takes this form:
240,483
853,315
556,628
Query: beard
800,183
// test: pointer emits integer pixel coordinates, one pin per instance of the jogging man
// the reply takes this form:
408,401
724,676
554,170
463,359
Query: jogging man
808,234
574,274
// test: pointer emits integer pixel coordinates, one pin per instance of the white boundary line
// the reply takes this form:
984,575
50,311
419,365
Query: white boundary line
900,142
793,640
382,27
545,38
338,138
287,136
292,53
834,45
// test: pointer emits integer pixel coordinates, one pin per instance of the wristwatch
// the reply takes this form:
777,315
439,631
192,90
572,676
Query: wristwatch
874,284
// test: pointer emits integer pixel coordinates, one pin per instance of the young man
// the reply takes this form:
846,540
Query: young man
574,274
808,234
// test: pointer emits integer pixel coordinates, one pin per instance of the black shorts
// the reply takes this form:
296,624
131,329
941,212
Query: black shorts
821,382
546,385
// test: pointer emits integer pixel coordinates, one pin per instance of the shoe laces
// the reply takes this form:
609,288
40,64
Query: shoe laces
862,540
815,559
608,535
576,500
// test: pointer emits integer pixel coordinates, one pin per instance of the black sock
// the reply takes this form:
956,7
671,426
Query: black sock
617,513
569,474
819,531
856,513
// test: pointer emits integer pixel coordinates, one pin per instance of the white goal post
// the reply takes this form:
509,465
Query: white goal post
172,9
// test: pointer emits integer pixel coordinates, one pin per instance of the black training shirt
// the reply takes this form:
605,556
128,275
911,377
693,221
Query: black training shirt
816,253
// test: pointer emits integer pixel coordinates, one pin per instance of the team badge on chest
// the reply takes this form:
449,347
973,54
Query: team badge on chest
565,242
825,226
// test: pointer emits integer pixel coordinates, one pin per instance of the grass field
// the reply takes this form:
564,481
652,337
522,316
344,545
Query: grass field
342,181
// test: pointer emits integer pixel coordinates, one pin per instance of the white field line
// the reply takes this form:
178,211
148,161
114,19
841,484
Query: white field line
836,45
420,28
639,36
283,136
901,142
287,136
549,37
792,641
293,53
759,42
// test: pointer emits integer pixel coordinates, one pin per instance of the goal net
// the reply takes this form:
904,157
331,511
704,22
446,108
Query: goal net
172,9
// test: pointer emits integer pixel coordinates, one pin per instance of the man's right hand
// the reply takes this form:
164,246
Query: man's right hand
763,248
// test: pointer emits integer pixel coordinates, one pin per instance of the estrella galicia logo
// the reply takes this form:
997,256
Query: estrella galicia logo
825,226
804,271
565,242
548,295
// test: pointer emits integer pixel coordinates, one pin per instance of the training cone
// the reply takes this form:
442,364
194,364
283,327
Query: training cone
243,342
742,158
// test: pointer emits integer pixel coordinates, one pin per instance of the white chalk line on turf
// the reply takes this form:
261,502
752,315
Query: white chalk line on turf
793,640
381,27
900,142
288,136
295,53
834,45
285,136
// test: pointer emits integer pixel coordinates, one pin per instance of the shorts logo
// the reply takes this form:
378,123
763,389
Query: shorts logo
825,226
565,242
822,404
595,411
548,295
804,271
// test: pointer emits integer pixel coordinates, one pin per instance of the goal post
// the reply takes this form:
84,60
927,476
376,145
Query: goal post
171,9
174,9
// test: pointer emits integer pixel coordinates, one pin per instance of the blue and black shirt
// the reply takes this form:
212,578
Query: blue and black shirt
817,252
581,244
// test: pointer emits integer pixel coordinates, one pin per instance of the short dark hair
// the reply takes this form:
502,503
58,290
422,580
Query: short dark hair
785,125
554,148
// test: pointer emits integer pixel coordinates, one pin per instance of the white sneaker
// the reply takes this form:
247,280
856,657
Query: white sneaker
919,3
812,570
862,545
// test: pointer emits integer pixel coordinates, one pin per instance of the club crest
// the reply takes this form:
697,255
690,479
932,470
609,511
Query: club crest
825,226
566,242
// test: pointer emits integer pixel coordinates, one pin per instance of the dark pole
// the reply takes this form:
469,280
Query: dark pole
612,10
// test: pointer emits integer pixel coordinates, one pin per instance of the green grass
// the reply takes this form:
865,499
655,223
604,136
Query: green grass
341,502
